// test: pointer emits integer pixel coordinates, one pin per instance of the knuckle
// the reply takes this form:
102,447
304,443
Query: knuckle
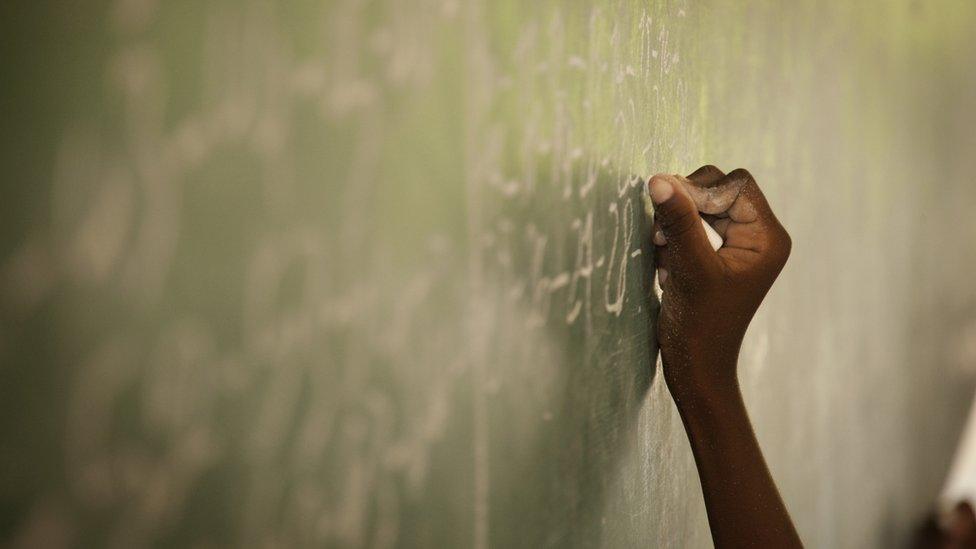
787,243
782,246
782,236
711,170
742,175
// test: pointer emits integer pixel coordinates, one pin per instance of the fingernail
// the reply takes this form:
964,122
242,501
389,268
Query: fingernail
662,276
659,238
660,189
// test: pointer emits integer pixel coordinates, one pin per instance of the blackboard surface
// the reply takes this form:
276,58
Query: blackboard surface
376,274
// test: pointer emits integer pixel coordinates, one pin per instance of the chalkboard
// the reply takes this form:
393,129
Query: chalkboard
378,274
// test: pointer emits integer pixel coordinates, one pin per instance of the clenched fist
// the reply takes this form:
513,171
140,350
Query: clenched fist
710,296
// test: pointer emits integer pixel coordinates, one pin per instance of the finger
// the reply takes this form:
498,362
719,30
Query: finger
714,240
660,261
752,224
709,199
743,231
657,236
721,226
715,221
766,238
706,176
717,197
687,249
750,202
662,277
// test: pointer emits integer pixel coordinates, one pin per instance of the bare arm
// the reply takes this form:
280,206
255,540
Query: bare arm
709,299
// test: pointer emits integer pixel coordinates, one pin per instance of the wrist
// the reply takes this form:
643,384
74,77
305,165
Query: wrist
700,375
712,412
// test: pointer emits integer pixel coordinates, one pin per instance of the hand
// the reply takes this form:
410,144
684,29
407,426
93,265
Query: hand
710,297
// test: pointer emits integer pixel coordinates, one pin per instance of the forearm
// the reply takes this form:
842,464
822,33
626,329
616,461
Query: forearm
709,298
744,507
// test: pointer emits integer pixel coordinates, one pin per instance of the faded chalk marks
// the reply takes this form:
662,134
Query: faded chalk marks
375,273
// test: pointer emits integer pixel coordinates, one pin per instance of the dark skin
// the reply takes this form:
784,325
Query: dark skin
708,301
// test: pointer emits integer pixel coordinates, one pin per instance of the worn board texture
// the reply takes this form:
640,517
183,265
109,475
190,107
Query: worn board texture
375,273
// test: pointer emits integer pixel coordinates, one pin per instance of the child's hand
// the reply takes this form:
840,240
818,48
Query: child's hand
710,297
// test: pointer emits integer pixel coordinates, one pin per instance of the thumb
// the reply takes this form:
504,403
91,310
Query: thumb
687,249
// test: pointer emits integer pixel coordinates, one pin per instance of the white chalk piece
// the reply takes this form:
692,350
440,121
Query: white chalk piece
713,237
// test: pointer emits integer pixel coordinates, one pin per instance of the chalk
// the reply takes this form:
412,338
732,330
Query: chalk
713,237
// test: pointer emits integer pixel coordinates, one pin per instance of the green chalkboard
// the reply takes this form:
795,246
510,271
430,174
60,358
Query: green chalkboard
378,274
